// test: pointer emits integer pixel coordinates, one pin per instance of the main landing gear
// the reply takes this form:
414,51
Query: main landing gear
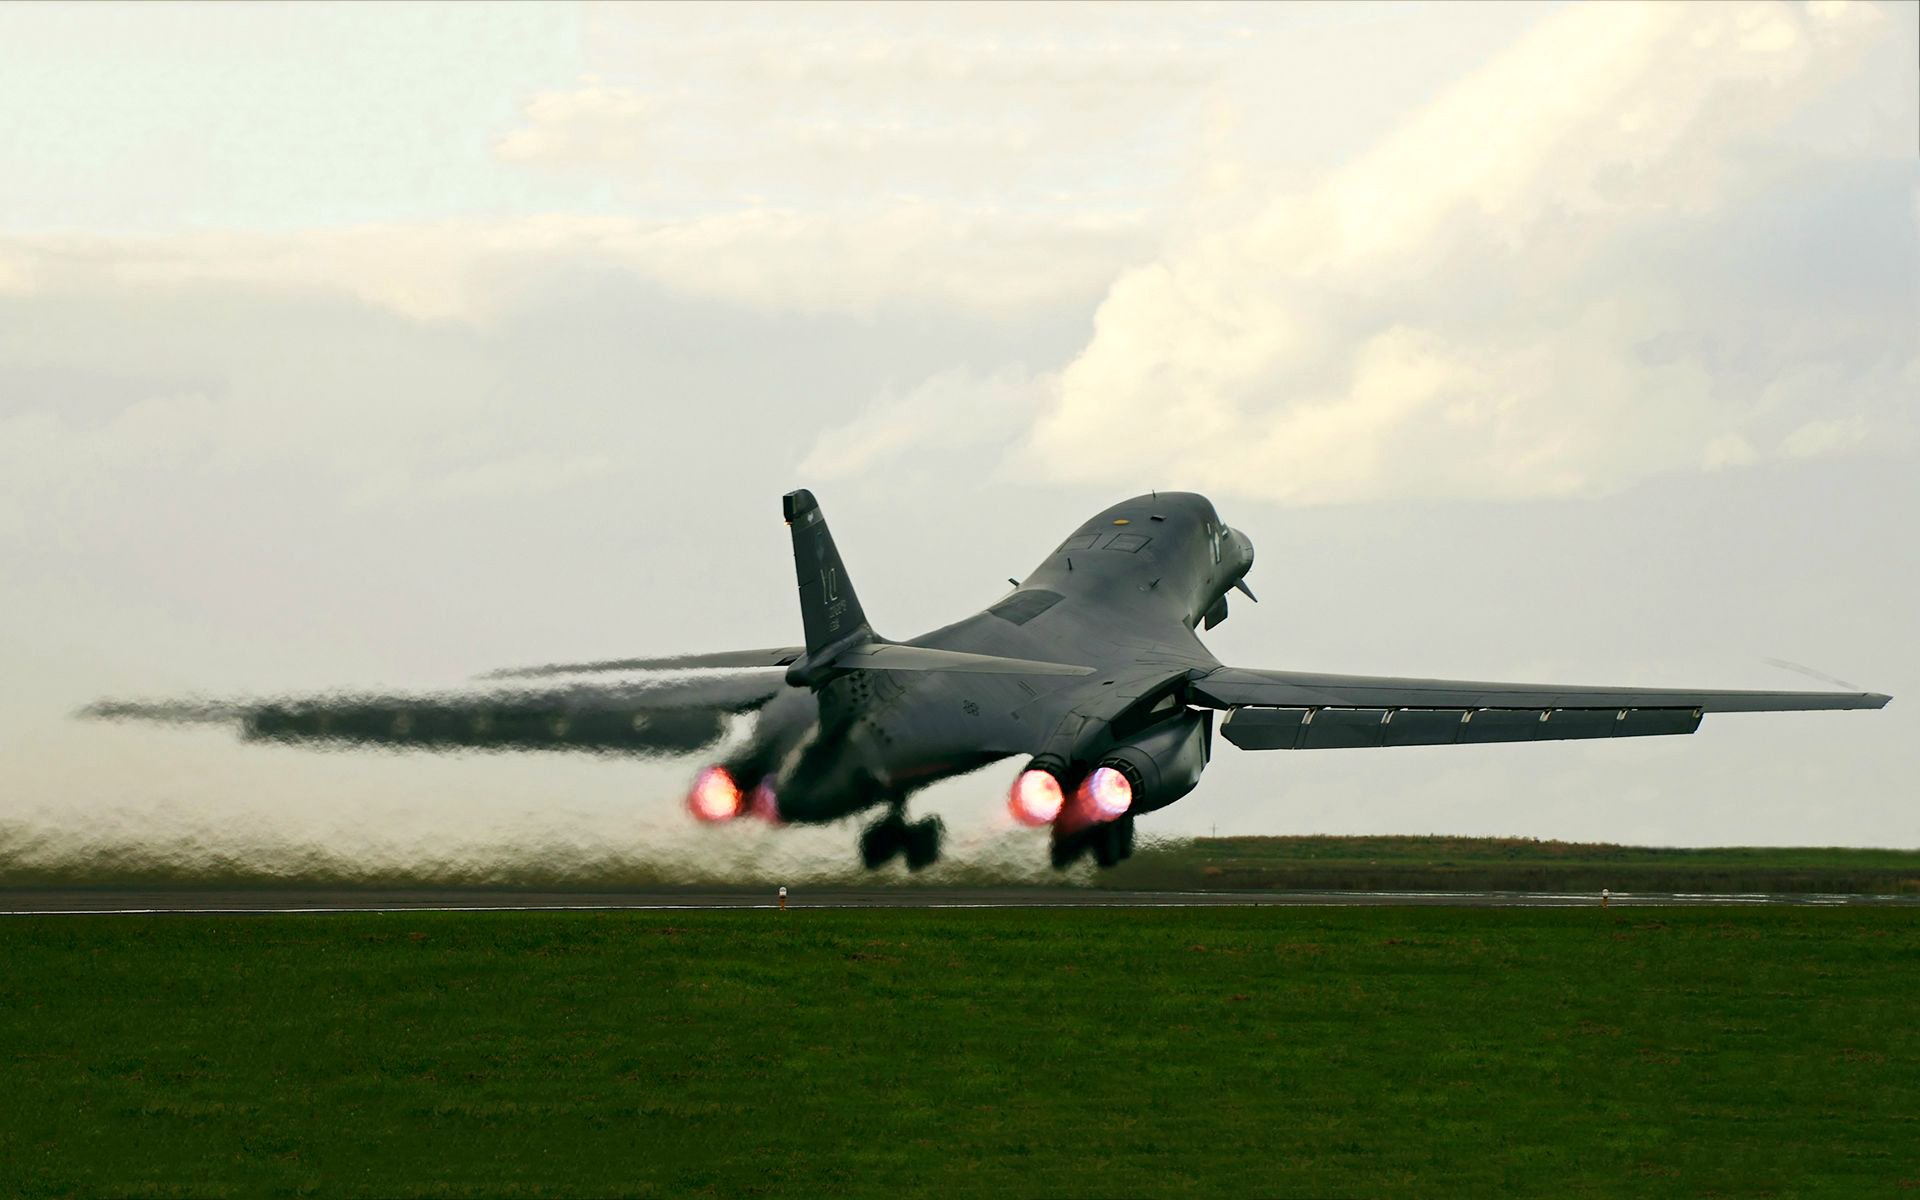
892,834
1109,842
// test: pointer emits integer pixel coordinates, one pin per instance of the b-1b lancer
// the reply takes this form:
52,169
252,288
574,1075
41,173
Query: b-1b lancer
1090,669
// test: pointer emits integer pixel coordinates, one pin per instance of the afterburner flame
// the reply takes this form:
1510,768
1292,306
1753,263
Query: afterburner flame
763,803
1036,798
1106,794
714,795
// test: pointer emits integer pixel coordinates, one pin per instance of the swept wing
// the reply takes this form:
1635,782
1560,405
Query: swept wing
1298,710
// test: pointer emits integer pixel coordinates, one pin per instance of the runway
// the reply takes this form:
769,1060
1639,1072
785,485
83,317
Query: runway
79,901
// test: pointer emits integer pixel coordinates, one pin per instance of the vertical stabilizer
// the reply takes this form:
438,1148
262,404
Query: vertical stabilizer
829,611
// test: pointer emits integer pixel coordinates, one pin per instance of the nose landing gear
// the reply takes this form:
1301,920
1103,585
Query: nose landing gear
892,835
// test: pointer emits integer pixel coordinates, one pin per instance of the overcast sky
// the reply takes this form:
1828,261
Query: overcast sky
378,345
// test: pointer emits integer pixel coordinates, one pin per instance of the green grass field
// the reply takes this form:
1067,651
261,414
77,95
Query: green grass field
1203,1052
1508,864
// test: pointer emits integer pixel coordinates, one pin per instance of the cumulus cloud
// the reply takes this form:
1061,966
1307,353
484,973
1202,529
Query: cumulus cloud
594,123
808,105
1816,438
920,255
1538,285
951,411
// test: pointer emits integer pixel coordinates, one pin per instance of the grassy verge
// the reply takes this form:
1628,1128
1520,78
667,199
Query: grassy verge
1196,1052
1217,864
1508,864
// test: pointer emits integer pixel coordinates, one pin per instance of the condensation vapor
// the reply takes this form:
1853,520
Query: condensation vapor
196,806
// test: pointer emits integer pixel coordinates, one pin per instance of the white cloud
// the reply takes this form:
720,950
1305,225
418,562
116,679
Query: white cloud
806,107
1525,290
953,410
913,254
1817,438
1728,450
591,124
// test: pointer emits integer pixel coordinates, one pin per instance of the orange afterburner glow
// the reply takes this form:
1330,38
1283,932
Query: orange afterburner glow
714,795
1036,798
1106,794
763,803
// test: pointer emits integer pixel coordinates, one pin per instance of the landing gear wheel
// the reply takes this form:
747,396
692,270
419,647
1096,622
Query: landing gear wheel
923,843
882,840
1113,842
1063,850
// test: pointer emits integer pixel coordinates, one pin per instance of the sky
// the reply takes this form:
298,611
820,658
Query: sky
375,346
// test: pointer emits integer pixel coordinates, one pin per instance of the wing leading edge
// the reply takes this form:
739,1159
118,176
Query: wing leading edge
1291,710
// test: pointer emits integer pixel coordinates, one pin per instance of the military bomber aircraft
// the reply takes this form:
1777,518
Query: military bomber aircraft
1090,669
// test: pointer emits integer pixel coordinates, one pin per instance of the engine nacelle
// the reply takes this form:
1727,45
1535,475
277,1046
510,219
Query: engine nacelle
1164,763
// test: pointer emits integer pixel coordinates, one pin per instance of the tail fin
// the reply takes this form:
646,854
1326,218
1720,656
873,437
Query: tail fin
838,636
829,611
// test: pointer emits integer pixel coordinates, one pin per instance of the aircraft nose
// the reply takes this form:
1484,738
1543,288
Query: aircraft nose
1243,554
1243,545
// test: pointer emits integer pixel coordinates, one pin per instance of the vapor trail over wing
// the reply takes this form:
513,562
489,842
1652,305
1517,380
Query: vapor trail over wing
661,718
778,656
869,656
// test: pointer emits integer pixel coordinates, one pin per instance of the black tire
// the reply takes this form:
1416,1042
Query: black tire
1064,850
923,843
1113,842
882,840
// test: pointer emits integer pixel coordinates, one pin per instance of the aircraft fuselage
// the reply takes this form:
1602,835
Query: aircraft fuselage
1122,594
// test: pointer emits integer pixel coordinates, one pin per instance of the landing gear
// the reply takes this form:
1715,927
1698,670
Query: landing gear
1110,842
892,834
1116,844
